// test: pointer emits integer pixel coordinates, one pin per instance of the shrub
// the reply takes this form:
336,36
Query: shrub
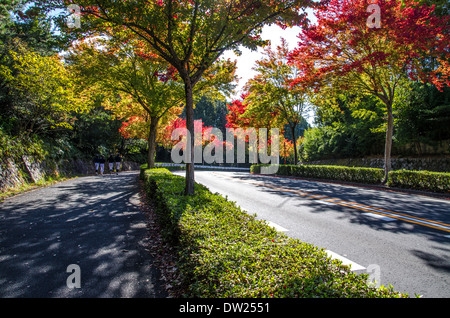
225,252
342,173
420,180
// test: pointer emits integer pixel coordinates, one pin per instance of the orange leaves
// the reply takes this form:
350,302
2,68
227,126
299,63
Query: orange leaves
341,43
236,110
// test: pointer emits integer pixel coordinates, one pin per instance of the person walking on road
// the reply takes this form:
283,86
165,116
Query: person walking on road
111,163
97,160
102,164
118,159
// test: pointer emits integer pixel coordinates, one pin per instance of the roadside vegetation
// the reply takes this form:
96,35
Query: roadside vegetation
224,252
415,180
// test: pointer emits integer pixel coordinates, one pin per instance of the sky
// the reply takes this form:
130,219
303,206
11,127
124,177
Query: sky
247,60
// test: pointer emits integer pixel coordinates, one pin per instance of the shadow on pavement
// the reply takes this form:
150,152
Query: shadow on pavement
94,222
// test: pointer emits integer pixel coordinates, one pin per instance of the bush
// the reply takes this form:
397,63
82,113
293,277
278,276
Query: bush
342,173
420,180
225,252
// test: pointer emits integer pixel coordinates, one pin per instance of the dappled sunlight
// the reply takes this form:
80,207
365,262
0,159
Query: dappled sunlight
94,222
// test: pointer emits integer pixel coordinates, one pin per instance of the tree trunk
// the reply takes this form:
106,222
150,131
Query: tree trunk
190,181
295,144
152,142
388,144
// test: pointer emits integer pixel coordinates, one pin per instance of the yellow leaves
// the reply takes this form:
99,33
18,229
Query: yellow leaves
43,85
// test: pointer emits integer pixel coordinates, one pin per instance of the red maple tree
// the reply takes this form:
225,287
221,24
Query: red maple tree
342,50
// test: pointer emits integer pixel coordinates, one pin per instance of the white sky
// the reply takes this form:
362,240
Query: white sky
247,60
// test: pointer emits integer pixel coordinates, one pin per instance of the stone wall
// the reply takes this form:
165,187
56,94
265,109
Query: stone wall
440,164
14,173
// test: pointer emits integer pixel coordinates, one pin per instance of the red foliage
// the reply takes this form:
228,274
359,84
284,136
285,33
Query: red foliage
181,123
342,42
236,109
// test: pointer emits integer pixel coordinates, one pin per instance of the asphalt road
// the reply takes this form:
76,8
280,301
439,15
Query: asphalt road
91,222
397,238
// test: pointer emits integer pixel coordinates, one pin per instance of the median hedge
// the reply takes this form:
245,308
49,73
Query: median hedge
417,180
420,180
351,174
225,252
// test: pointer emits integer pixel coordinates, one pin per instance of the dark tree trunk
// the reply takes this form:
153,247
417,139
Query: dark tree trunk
190,180
152,142
388,144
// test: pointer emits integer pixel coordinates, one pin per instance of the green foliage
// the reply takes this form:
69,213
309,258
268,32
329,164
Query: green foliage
420,180
350,174
225,252
423,115
348,125
97,129
212,112
41,91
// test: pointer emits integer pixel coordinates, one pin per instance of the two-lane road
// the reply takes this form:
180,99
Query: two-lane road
399,239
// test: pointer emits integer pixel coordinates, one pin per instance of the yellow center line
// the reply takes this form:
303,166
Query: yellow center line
400,216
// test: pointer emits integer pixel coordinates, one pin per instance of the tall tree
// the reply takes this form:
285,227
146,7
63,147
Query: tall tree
270,91
146,84
346,49
192,34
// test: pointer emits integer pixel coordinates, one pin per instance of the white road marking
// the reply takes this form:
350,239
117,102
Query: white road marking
326,202
380,217
289,193
277,227
345,261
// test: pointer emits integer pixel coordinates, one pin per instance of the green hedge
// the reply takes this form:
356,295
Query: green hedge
417,180
420,180
351,174
225,252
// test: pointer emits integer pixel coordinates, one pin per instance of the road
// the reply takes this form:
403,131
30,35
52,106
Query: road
91,222
397,238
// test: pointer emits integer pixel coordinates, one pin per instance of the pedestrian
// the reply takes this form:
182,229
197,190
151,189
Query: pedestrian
111,163
118,159
102,164
97,160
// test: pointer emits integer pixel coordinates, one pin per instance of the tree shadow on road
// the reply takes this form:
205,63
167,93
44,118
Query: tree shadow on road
93,222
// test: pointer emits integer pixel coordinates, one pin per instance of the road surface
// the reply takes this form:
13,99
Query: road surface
397,238
86,232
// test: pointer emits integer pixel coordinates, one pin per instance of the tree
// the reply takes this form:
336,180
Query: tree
192,34
345,49
270,91
42,91
146,84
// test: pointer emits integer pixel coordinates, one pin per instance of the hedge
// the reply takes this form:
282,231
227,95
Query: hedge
351,174
417,180
225,252
420,180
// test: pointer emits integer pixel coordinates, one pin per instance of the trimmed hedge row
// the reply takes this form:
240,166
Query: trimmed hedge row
417,180
420,180
351,174
225,252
